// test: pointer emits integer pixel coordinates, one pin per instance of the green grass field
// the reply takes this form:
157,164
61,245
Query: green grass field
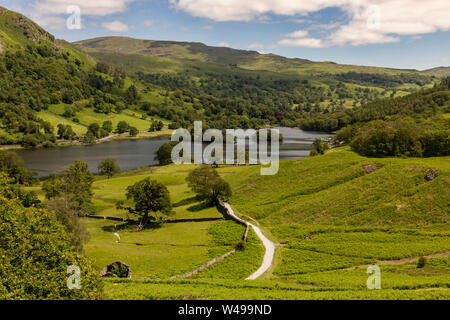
88,116
329,218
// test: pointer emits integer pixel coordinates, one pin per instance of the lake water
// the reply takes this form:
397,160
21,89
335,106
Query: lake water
133,154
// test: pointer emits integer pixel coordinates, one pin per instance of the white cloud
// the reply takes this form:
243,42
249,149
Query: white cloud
238,10
370,21
88,7
115,26
303,42
224,44
297,34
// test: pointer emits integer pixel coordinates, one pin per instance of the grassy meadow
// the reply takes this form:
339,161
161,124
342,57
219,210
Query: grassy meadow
329,218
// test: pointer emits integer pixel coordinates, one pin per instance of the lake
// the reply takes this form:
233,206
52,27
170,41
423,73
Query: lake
133,154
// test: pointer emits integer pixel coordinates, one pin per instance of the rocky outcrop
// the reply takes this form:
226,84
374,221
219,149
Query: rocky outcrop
430,175
370,168
108,271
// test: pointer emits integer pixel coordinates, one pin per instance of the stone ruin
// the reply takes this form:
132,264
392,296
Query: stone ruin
109,270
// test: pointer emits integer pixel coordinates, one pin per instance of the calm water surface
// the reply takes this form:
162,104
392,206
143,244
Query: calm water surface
133,154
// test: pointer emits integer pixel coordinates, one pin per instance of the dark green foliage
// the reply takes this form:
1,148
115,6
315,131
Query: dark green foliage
108,167
107,126
133,131
13,165
65,132
156,126
118,269
31,274
318,147
208,185
422,262
131,95
122,127
424,104
74,181
67,213
164,153
240,246
88,138
11,190
94,128
151,201
400,137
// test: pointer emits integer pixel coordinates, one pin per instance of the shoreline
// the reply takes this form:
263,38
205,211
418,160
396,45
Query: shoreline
114,137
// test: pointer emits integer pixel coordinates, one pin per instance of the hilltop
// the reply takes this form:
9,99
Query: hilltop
245,59
17,30
439,71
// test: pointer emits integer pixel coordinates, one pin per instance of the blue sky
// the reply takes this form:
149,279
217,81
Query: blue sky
389,33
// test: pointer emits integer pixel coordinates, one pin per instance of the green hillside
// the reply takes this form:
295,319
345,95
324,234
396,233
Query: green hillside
439,71
16,31
245,59
331,216
46,84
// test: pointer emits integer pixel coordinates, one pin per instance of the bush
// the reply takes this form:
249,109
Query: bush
240,246
108,167
134,131
164,153
208,185
422,262
31,274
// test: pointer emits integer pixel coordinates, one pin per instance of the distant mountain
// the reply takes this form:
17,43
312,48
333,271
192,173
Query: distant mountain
190,51
201,53
439,71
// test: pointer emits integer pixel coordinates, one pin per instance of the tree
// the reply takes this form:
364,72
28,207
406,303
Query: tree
35,254
30,141
318,147
95,129
107,126
151,201
156,126
164,153
13,165
67,213
65,132
122,127
108,167
208,185
74,181
134,131
88,138
131,95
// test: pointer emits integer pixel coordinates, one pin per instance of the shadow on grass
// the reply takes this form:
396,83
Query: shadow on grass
131,226
185,202
200,206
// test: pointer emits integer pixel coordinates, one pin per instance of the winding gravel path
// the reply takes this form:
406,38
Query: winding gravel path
269,246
